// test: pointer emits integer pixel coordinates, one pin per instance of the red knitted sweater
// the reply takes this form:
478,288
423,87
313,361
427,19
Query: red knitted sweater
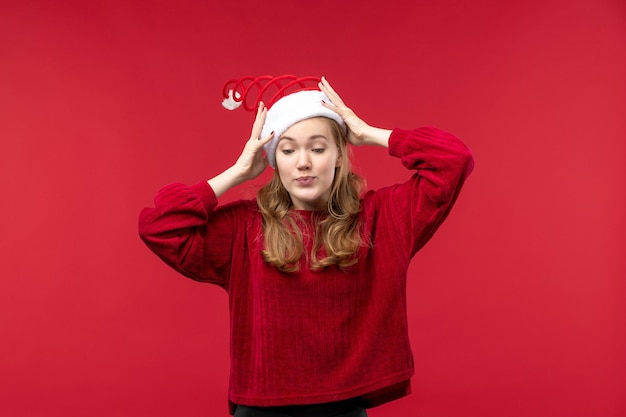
315,336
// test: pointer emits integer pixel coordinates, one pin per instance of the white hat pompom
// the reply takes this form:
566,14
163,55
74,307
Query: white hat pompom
230,103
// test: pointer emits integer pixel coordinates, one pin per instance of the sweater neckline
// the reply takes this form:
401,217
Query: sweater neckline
308,214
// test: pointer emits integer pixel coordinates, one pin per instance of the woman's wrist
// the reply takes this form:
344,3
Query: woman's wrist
225,181
376,136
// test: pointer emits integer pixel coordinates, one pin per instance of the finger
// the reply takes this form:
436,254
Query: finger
254,146
330,92
331,106
342,110
259,121
266,139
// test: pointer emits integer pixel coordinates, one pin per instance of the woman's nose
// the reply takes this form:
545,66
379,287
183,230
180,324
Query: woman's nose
304,162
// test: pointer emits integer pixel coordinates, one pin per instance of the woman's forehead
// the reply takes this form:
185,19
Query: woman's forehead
309,129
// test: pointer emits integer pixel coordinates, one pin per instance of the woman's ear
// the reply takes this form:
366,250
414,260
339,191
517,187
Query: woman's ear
338,163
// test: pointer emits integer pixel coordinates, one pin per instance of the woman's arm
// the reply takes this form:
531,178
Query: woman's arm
185,228
359,132
441,162
250,164
186,231
414,210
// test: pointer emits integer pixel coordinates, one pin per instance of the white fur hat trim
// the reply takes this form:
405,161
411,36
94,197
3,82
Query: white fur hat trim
290,110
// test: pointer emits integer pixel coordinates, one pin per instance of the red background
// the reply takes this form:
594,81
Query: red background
516,305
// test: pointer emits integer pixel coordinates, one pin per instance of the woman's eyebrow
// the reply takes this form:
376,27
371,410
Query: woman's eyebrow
320,136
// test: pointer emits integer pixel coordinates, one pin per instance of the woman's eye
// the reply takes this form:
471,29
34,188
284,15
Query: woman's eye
318,150
287,151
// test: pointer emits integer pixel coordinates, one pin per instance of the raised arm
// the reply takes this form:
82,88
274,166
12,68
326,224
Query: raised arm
415,209
359,132
440,161
187,230
250,164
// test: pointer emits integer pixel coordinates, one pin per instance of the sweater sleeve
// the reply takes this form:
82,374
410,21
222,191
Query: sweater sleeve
416,208
187,231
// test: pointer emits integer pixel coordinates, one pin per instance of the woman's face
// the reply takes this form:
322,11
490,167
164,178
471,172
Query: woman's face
306,158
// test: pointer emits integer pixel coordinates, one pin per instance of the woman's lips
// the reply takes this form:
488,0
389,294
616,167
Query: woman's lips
305,180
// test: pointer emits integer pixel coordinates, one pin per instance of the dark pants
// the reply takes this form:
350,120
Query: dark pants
349,408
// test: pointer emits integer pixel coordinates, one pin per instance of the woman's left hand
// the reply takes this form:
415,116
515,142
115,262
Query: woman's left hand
357,128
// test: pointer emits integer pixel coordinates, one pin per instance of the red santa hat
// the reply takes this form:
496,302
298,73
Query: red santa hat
289,100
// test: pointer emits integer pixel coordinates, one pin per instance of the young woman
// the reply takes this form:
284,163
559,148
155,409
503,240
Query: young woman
315,271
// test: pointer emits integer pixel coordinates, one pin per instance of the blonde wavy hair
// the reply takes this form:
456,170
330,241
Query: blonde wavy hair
337,230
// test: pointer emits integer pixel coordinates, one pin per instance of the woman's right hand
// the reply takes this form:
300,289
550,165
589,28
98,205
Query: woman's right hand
252,161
